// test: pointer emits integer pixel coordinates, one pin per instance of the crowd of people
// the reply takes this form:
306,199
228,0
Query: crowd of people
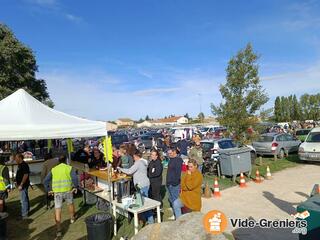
184,171
183,180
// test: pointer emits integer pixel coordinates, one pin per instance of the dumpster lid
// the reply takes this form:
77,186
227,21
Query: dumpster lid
234,151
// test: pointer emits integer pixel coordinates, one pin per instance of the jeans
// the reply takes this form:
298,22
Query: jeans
200,166
149,214
177,205
24,199
174,192
155,191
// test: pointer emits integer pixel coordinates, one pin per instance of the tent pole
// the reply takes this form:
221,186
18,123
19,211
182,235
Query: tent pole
109,172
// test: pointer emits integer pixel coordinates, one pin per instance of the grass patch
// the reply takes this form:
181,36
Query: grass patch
275,166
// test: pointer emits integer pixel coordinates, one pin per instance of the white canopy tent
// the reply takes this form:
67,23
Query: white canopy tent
22,117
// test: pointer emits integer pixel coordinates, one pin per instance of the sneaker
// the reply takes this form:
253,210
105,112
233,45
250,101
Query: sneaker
172,218
59,234
72,220
22,218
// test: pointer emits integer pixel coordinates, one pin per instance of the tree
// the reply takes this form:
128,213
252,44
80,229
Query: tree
277,109
266,114
305,106
18,67
187,116
201,116
140,120
296,109
242,94
147,118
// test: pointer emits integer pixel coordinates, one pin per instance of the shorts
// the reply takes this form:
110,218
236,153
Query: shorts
3,195
59,197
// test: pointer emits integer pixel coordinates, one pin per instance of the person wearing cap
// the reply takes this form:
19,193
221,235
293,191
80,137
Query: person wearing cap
196,153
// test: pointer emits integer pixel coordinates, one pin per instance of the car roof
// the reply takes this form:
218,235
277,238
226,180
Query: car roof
272,134
316,129
215,140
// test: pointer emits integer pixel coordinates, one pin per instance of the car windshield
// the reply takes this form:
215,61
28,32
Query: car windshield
207,146
226,144
313,137
302,132
265,138
119,138
204,129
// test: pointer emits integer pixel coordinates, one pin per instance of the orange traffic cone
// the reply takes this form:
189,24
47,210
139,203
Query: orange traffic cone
242,181
268,176
216,190
258,178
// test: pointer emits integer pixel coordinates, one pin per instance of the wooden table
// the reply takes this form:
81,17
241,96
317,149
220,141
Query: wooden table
148,205
102,180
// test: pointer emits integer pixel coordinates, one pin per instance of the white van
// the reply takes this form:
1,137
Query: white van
309,150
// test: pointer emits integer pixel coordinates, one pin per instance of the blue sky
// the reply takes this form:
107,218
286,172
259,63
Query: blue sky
109,59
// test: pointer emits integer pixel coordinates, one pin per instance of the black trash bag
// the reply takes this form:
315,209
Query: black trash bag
99,226
3,225
102,205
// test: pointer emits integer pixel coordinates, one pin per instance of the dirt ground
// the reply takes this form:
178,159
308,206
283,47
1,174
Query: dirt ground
272,199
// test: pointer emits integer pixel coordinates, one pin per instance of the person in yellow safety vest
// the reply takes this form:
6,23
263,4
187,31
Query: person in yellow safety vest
4,183
64,183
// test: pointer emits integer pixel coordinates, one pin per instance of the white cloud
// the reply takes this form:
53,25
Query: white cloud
100,95
302,15
92,96
73,18
145,74
54,6
294,82
44,2
153,91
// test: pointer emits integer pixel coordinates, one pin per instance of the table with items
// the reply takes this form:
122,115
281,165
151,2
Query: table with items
116,191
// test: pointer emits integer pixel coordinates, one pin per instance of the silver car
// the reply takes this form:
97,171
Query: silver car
276,144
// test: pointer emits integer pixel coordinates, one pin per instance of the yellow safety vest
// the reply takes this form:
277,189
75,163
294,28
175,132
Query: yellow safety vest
61,178
2,183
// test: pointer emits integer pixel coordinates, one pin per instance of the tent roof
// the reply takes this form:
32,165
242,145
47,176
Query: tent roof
22,117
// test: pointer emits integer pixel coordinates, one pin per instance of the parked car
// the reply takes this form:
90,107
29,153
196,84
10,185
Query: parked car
207,129
146,140
118,139
302,134
276,144
309,150
211,147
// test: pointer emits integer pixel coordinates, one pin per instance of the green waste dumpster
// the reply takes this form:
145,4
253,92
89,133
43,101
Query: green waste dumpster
312,205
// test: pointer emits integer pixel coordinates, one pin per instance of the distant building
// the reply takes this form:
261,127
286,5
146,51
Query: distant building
172,121
124,122
145,124
111,126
